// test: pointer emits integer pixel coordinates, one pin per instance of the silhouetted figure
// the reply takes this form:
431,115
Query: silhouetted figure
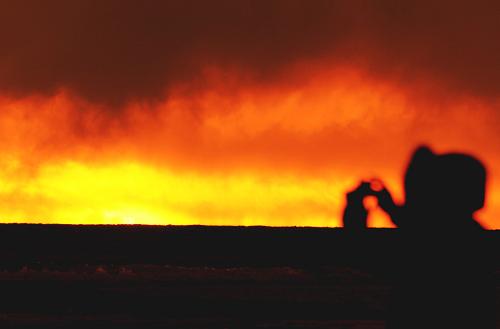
442,275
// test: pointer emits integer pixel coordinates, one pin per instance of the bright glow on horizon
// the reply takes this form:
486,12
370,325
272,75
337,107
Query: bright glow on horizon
129,193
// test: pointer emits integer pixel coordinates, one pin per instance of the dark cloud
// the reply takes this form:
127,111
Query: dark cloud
117,50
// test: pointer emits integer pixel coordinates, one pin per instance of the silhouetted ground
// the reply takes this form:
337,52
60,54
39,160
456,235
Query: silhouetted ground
58,276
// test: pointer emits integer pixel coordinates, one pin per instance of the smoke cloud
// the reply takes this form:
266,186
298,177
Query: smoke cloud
114,51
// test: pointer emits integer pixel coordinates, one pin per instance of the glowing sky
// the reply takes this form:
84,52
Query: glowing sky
224,113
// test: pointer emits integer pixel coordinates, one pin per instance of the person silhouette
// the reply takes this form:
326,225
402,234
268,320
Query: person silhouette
441,273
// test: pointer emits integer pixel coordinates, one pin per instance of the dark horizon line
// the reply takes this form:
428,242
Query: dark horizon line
199,226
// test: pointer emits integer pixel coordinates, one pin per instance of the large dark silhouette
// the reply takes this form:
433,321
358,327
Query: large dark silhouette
441,268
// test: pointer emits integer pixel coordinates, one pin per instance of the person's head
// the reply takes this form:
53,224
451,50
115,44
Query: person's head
449,183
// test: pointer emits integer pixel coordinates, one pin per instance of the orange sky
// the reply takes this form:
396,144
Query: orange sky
112,112
230,154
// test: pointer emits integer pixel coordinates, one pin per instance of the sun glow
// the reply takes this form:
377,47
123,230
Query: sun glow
131,193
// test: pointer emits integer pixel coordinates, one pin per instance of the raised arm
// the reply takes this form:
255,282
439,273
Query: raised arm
386,202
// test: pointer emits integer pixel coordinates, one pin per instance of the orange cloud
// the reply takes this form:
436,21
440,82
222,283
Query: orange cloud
233,151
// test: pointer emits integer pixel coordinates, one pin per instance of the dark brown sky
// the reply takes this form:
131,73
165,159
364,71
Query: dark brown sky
115,50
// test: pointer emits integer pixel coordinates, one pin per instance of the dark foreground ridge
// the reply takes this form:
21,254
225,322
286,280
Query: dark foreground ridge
64,276
218,246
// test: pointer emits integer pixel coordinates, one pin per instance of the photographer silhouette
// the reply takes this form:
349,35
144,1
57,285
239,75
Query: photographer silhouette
441,272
